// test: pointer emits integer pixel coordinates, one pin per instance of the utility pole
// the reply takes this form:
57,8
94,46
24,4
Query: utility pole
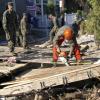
62,8
61,5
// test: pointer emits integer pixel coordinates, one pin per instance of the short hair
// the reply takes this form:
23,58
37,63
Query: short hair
24,14
51,14
10,3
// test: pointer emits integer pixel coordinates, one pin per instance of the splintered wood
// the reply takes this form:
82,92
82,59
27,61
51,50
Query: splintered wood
41,78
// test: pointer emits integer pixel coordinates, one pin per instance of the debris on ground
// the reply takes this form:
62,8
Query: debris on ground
40,66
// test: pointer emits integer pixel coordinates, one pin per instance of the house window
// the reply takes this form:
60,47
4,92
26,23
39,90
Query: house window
45,9
57,2
45,1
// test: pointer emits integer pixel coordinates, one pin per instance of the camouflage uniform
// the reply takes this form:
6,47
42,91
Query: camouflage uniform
60,33
24,26
10,25
55,26
61,30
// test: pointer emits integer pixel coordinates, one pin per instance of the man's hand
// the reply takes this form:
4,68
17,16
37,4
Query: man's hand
69,56
58,50
7,36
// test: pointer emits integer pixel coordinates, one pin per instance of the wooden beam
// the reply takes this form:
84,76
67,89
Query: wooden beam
58,79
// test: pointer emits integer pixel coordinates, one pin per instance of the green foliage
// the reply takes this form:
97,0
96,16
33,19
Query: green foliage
50,7
50,2
83,27
92,25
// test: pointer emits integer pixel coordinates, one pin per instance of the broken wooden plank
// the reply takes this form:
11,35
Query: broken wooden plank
58,79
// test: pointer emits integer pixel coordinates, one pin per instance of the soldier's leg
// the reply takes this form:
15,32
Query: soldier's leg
11,45
9,37
13,42
24,41
18,38
17,41
52,34
21,40
14,38
55,54
27,41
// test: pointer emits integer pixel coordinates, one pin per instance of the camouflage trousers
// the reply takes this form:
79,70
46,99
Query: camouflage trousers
11,38
19,39
25,40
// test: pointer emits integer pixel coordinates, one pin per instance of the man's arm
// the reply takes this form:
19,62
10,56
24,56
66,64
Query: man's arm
4,22
59,33
56,39
72,43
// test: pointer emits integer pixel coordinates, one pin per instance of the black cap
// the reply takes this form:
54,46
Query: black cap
10,3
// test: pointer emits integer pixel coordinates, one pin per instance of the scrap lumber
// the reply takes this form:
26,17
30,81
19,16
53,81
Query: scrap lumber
57,79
